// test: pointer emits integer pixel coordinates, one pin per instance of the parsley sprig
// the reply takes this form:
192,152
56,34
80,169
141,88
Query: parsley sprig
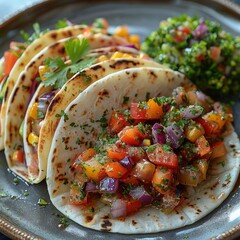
36,34
60,72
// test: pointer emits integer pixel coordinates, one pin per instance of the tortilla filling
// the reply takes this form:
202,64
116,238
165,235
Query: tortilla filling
149,153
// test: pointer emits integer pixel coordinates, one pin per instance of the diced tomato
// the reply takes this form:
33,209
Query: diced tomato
209,127
92,169
216,118
102,174
115,170
215,53
131,136
223,110
136,153
144,170
193,98
190,176
137,112
194,131
18,156
153,111
188,151
117,122
130,179
158,155
77,195
218,150
87,154
10,59
202,165
181,33
116,153
179,95
162,180
133,206
77,167
203,146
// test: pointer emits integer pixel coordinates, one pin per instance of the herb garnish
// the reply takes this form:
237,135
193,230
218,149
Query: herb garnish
62,23
37,34
60,71
62,114
42,202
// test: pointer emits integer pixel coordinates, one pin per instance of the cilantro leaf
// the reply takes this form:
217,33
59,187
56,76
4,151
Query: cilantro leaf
37,33
98,23
59,71
62,23
85,63
54,63
56,79
76,49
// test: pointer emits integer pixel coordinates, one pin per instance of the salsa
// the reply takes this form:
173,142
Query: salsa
147,154
200,49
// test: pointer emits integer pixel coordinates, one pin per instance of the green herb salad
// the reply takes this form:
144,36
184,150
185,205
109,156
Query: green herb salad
200,49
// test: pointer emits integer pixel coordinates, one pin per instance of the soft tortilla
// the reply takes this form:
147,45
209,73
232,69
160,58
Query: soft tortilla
17,105
89,106
71,90
33,49
63,98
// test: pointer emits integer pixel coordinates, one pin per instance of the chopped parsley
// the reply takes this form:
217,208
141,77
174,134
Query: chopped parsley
16,181
62,114
62,23
151,148
42,202
228,178
37,33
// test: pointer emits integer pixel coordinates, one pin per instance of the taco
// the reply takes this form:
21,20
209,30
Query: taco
19,55
27,84
39,129
130,156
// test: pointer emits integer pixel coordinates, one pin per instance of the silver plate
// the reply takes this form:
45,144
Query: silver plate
20,216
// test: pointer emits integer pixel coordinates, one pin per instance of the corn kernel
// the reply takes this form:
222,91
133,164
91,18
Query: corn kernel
42,70
102,58
33,111
117,55
122,31
146,142
125,55
134,39
33,139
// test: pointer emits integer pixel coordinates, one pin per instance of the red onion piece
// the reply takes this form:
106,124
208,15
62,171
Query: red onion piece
131,46
109,185
158,134
192,111
47,97
118,208
218,107
201,96
141,194
32,90
91,187
174,135
200,31
44,100
126,162
42,107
